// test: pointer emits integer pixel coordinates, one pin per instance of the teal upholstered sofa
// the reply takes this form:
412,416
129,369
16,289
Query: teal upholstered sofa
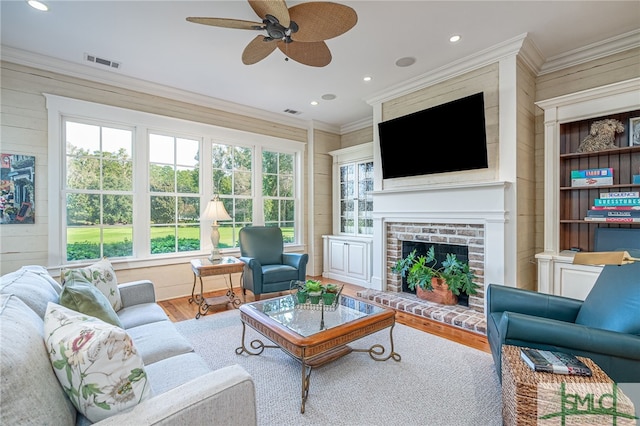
268,268
605,327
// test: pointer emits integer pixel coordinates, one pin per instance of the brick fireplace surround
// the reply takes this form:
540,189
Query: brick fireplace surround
471,318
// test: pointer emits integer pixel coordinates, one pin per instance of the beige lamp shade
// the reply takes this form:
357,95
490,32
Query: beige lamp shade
604,258
215,211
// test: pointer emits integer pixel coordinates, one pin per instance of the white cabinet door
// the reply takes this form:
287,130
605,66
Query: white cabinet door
347,259
338,256
574,281
356,260
353,190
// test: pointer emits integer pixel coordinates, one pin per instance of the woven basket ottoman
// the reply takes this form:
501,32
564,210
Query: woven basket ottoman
527,395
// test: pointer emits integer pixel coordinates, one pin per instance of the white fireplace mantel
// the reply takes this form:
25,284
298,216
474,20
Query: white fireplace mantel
484,203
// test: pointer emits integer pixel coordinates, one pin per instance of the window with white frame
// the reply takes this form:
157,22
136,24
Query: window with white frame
232,181
98,190
121,188
174,188
278,190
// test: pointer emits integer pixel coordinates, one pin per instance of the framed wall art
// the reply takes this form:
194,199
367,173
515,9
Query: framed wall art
17,188
634,131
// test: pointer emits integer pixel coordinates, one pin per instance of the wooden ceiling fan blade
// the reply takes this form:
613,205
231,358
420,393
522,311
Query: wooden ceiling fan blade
277,8
315,54
318,21
225,23
257,50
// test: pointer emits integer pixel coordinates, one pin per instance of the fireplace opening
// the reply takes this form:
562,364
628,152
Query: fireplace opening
441,250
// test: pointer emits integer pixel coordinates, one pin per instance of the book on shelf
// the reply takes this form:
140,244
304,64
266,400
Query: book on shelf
592,177
554,362
582,182
633,201
631,194
613,219
592,173
615,208
613,213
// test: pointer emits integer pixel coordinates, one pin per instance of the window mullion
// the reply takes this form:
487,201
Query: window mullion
258,203
141,205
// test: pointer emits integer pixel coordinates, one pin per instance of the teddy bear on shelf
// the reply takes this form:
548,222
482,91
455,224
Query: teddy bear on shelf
602,136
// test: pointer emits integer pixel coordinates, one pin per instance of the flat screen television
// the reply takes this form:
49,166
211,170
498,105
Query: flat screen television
446,138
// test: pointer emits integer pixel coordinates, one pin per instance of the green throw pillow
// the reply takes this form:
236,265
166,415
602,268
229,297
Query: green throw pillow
81,296
101,275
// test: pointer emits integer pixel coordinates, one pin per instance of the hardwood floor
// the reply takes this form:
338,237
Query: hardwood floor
180,309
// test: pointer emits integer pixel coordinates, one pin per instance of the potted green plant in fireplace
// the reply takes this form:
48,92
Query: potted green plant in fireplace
437,284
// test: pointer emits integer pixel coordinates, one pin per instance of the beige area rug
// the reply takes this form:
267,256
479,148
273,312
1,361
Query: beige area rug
437,382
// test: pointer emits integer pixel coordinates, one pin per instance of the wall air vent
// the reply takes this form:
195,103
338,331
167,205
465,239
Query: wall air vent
101,61
292,111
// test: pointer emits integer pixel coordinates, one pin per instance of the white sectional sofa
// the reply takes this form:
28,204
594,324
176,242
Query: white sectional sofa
184,390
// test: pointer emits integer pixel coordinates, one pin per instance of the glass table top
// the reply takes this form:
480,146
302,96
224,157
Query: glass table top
286,311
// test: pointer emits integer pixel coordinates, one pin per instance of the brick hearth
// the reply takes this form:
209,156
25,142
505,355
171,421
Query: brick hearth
456,315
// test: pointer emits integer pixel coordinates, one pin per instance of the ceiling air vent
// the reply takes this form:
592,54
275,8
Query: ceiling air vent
101,61
292,111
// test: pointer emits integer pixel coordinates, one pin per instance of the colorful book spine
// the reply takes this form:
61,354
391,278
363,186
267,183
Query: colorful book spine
634,201
592,173
632,194
581,182
592,177
613,213
616,208
613,219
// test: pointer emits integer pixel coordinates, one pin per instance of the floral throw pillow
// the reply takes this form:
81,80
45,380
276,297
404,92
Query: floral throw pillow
102,275
95,362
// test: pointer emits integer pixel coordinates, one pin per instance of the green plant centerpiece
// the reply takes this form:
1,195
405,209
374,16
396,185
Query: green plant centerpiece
313,286
314,289
427,280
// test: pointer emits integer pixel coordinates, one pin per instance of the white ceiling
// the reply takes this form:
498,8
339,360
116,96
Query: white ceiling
153,42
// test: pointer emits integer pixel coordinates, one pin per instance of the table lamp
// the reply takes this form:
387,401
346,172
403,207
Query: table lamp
215,211
604,258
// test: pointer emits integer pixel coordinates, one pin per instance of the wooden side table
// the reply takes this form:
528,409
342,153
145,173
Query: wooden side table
203,267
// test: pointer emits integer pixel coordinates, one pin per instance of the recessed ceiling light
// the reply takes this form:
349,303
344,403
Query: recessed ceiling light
38,5
367,78
314,103
328,96
407,61
455,38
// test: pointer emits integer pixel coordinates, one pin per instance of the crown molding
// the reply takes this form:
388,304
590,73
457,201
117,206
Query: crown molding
48,63
321,125
357,125
621,43
480,59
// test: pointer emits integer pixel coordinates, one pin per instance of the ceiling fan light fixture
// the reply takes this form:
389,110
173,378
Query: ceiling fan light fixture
307,24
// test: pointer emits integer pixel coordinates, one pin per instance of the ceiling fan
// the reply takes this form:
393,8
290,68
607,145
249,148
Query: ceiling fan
298,31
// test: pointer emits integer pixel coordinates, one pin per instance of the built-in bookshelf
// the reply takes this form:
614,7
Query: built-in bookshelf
574,202
567,121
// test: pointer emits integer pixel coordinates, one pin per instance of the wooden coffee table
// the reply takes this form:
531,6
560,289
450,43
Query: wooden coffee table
298,331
